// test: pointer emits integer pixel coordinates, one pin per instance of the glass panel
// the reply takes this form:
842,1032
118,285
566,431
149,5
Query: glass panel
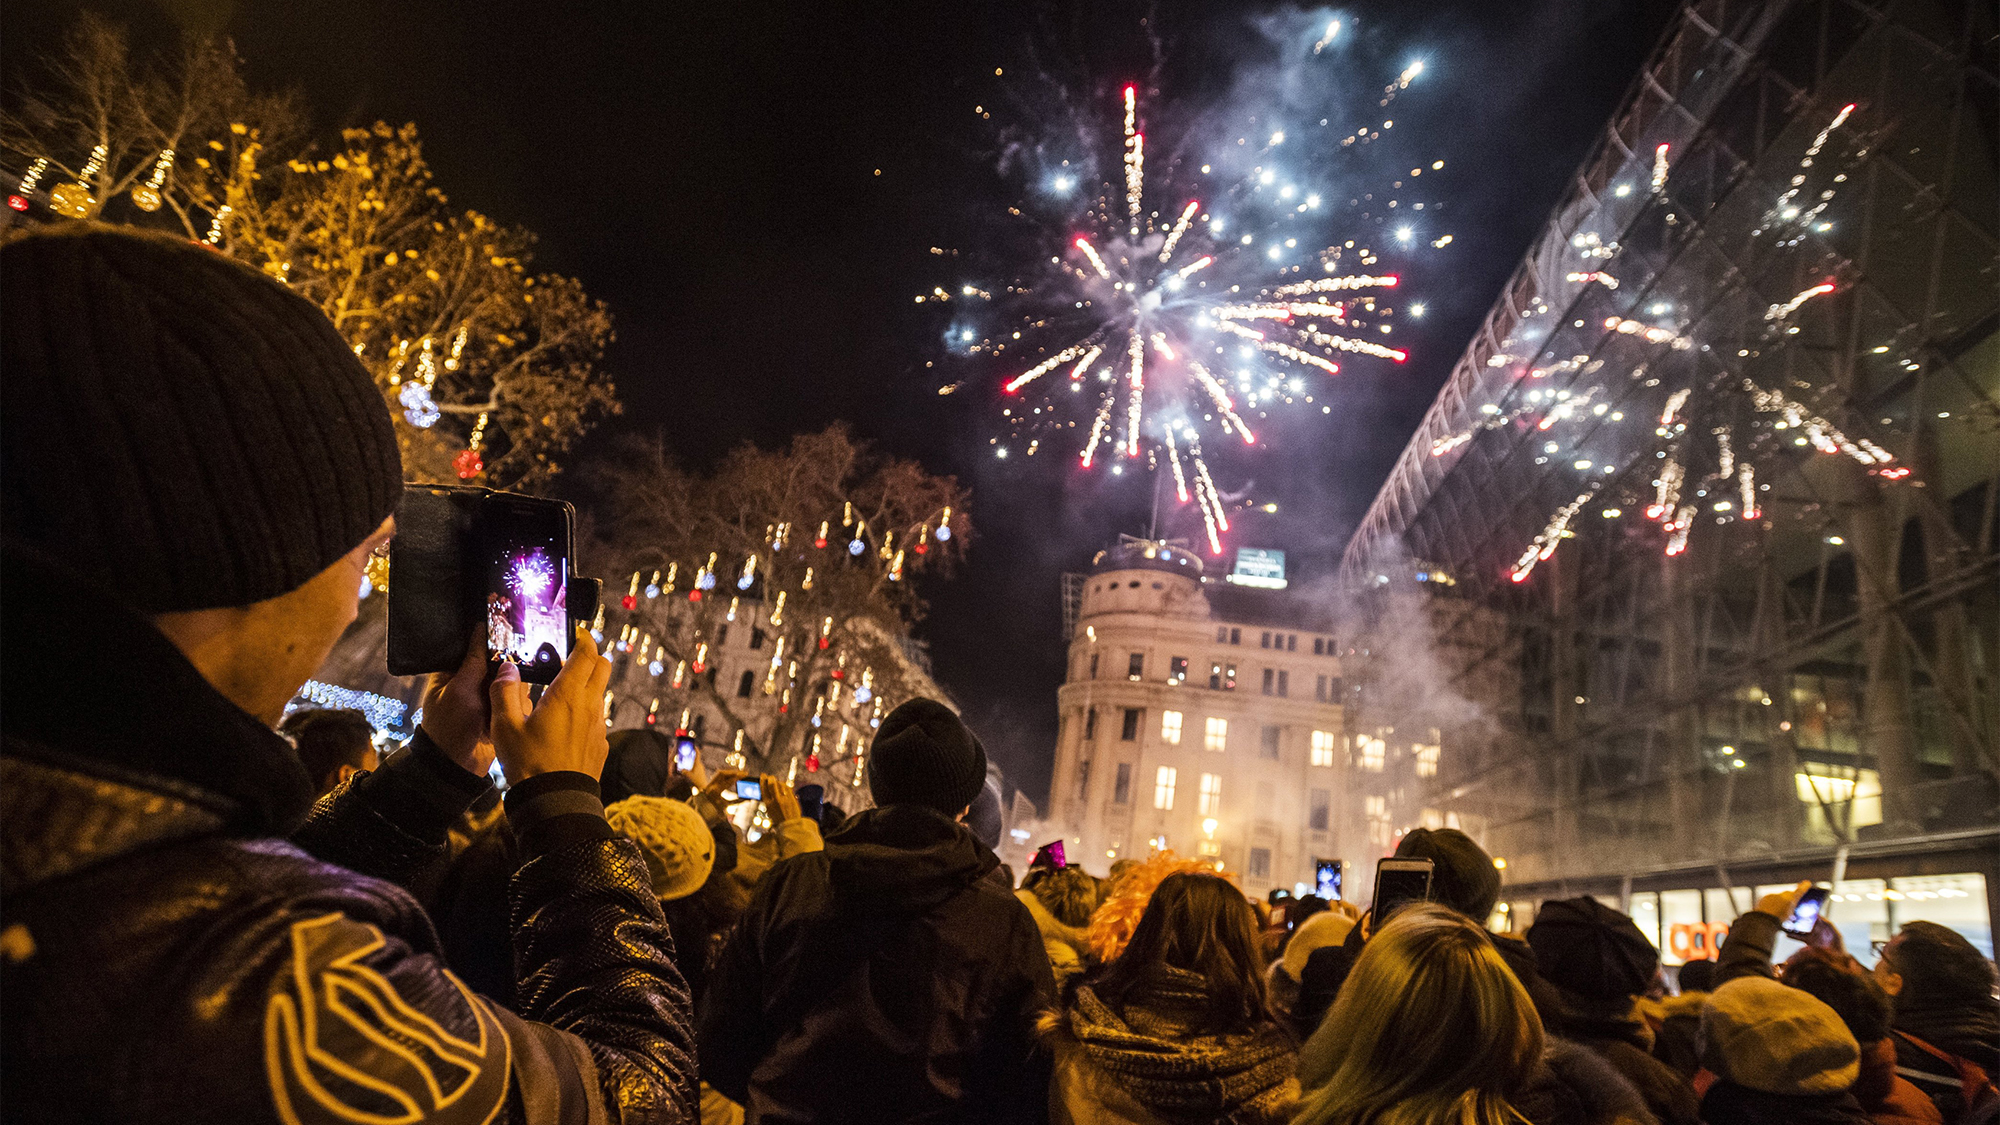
1861,914
1958,901
1646,915
1686,929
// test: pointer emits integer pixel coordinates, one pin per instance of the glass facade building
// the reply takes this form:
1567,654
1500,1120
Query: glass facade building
1695,553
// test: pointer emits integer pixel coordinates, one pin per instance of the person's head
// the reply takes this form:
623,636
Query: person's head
1327,927
1302,908
1431,1023
674,839
1767,1036
640,763
1198,923
1928,966
1067,892
923,755
1594,955
197,440
334,744
1695,976
1462,875
1840,984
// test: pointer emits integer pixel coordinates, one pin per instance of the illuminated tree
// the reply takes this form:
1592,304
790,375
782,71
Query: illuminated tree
492,372
817,547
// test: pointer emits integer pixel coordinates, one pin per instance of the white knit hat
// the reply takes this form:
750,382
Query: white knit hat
679,849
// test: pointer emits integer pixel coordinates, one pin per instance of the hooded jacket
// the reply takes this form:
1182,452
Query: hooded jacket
169,955
1151,1065
887,978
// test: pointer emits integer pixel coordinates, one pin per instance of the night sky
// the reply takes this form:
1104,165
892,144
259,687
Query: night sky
709,171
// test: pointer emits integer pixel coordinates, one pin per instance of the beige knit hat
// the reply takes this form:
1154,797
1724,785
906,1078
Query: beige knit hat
1328,927
1781,1040
679,849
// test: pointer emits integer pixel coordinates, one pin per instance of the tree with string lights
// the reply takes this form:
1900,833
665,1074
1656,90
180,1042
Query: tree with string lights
492,371
774,597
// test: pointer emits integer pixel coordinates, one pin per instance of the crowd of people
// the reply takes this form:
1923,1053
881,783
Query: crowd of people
214,912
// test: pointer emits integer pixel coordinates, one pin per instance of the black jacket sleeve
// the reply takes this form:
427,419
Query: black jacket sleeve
1746,952
392,823
593,956
1011,1083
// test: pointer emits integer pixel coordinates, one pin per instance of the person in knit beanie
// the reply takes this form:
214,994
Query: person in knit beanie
923,755
1780,1056
679,849
889,976
1599,964
196,470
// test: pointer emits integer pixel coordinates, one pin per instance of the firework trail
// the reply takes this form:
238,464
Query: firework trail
1184,294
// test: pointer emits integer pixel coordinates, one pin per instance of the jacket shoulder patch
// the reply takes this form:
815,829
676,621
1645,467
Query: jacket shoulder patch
342,1046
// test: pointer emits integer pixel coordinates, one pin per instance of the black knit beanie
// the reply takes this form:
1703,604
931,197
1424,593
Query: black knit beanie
1462,874
179,429
1591,951
923,755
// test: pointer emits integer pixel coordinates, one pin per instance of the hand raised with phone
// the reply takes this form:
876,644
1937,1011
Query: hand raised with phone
565,731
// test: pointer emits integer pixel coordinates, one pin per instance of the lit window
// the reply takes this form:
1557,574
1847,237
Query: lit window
1322,748
1374,753
1135,666
1377,809
1170,727
1427,760
1432,819
1260,863
1163,788
1216,735
1121,785
1211,794
1208,848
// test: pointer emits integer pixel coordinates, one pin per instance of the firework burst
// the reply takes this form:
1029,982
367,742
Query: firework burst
1185,299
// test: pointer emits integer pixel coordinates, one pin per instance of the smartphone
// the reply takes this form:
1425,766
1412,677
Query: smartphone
1326,879
1812,905
471,558
1051,855
752,790
1398,883
523,546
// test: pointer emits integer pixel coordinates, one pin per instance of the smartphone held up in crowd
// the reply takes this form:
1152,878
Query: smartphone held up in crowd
500,563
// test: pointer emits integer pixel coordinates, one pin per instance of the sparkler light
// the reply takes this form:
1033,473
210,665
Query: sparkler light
1185,328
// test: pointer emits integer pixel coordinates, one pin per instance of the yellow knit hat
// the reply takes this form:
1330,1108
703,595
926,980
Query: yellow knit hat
675,840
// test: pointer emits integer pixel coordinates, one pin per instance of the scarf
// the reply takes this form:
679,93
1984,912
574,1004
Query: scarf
1178,1075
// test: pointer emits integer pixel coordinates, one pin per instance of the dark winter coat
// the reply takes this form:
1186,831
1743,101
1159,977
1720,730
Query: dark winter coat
169,956
885,979
1970,1036
1726,1103
1575,1086
1626,1043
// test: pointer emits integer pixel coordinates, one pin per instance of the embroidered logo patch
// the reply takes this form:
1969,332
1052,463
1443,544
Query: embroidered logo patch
342,1046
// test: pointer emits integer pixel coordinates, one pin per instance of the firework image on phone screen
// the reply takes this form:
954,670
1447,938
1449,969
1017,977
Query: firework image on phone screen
527,614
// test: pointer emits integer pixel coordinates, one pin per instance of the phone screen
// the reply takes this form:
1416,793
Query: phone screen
1399,883
525,547
1326,879
753,790
1806,913
684,754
